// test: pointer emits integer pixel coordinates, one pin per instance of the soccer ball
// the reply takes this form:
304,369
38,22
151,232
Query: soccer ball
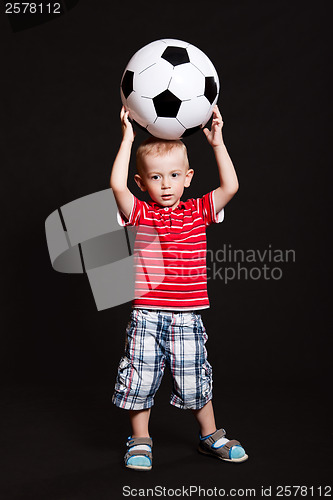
170,88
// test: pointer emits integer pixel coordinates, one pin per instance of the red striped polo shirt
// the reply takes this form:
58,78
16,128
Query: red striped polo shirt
170,252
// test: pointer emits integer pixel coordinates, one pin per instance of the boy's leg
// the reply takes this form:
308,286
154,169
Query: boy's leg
139,454
192,376
141,368
139,375
187,358
206,419
139,422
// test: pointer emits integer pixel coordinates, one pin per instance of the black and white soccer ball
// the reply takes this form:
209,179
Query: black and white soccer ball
170,88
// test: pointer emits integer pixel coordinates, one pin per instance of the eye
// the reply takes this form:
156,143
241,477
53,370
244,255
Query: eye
155,176
175,174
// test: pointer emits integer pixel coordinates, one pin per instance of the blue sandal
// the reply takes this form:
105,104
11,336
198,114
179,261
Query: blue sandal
139,453
230,451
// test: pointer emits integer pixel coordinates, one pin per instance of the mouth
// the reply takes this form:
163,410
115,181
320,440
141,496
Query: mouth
166,196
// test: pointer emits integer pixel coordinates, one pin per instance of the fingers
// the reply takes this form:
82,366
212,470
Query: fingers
124,115
217,114
217,124
123,112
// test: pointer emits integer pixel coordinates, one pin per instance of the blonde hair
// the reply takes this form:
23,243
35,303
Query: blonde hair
158,147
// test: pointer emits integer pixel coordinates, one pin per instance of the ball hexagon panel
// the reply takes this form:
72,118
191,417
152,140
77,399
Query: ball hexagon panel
153,80
146,56
174,43
187,82
194,114
142,110
201,61
166,128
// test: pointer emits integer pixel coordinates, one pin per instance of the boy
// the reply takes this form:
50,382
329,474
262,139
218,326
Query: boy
164,327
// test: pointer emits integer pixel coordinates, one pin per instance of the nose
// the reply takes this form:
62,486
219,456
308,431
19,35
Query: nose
165,184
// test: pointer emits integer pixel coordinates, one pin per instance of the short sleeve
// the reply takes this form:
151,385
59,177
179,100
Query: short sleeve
135,215
206,208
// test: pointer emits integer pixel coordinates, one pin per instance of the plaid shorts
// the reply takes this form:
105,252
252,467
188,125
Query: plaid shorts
155,339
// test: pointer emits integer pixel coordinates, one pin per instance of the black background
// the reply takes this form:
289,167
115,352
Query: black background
269,341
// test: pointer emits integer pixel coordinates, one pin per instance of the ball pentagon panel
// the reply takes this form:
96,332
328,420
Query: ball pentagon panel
175,55
167,104
210,89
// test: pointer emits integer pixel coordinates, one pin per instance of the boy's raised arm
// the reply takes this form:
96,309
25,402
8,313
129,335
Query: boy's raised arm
228,178
119,173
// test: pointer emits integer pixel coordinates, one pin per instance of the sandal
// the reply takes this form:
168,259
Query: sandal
218,446
139,453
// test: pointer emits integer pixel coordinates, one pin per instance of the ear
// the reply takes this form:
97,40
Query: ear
188,177
140,182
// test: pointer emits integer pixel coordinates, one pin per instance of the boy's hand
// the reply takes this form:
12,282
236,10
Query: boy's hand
214,136
126,126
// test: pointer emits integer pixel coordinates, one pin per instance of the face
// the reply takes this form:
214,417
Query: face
165,177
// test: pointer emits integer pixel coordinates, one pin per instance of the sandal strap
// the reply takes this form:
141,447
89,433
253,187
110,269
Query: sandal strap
132,453
224,450
220,433
230,444
136,441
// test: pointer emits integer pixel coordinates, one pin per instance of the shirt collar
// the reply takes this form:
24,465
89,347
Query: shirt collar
156,206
